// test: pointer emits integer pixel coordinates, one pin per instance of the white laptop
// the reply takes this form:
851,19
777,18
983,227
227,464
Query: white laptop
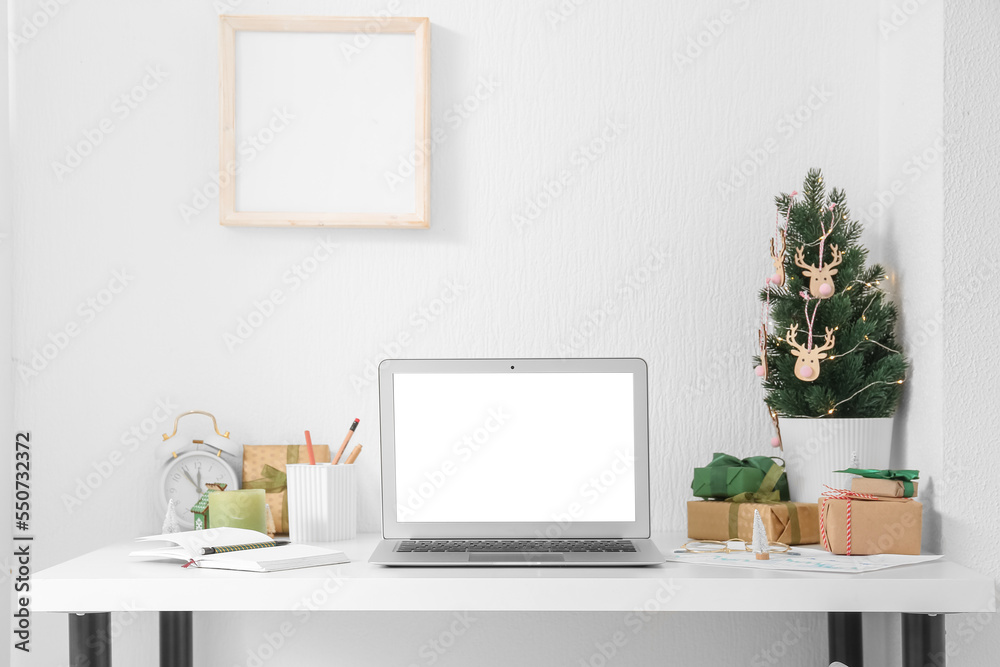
514,462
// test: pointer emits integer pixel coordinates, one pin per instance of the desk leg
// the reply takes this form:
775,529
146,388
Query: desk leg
846,643
923,640
90,640
176,649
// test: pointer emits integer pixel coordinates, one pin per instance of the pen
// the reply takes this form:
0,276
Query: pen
309,449
208,551
354,454
343,446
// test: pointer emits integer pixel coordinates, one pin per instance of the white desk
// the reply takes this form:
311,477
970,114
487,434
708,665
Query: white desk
107,580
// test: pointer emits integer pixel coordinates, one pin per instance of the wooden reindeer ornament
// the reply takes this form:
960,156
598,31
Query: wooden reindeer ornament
776,440
808,358
761,370
820,277
778,259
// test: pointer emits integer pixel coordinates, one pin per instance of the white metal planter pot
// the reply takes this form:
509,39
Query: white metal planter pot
814,448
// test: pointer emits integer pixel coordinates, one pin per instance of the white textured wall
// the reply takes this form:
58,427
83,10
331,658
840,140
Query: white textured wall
970,515
654,247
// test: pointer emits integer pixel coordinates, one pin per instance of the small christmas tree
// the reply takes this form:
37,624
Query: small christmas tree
759,545
170,522
831,349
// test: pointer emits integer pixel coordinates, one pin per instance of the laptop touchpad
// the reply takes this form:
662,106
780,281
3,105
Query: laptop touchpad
515,558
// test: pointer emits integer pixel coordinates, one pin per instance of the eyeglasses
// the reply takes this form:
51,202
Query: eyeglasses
730,546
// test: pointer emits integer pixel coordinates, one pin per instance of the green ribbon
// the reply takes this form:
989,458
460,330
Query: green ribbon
766,494
734,516
275,481
904,476
721,464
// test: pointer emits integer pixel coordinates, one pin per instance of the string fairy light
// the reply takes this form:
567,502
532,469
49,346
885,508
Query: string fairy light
860,343
831,216
834,407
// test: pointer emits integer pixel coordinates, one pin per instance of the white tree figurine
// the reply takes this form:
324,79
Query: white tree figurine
759,545
271,529
170,523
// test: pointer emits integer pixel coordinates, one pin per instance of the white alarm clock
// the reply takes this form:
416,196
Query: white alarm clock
186,473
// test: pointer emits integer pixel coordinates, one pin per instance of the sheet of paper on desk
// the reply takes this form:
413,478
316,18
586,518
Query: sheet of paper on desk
800,559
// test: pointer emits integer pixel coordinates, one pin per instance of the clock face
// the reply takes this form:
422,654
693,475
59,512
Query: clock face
184,481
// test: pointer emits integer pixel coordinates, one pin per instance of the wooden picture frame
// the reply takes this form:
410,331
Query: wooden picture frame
321,172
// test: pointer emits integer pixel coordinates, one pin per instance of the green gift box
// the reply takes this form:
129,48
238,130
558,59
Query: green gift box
727,476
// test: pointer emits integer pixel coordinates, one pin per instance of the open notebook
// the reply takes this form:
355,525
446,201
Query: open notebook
187,548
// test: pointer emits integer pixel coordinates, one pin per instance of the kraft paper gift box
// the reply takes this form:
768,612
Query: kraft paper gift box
874,526
788,523
264,468
885,483
727,476
886,488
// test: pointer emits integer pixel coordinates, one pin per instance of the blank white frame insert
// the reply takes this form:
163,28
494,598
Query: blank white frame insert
324,121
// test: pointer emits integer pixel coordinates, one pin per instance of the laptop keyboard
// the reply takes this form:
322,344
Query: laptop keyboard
515,546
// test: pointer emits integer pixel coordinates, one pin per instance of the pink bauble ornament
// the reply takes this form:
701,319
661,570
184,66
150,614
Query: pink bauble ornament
759,371
825,290
776,279
806,371
776,441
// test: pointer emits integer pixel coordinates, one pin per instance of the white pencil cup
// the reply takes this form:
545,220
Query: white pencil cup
322,502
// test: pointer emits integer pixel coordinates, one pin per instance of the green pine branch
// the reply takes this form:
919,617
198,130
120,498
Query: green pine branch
862,375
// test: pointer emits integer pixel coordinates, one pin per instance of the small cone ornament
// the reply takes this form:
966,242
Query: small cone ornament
170,523
760,545
270,521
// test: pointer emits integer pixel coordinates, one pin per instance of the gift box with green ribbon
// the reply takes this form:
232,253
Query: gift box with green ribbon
789,523
727,476
264,468
884,483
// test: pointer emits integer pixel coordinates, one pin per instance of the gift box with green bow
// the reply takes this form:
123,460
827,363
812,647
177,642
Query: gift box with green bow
727,476
884,483
264,468
789,523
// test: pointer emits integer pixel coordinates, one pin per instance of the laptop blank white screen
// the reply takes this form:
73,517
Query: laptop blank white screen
524,447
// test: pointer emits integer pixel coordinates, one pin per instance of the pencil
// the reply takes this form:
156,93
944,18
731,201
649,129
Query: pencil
208,551
343,446
354,454
309,449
